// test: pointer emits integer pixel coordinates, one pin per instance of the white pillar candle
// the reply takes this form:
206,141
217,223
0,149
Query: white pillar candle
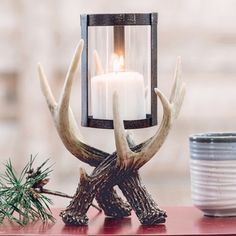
131,93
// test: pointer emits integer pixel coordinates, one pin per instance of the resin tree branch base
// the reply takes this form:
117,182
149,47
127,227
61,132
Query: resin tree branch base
100,185
120,168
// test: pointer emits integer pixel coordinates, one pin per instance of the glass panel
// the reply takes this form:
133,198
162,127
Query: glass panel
119,59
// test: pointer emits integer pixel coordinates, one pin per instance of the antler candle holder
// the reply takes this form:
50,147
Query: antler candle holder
119,168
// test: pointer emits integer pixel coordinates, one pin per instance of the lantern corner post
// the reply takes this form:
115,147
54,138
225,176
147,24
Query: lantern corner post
84,70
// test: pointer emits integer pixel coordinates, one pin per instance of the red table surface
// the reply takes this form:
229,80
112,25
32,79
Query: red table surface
180,221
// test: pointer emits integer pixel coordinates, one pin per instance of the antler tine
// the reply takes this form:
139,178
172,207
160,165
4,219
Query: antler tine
98,63
46,89
178,89
130,159
176,84
122,147
66,90
64,118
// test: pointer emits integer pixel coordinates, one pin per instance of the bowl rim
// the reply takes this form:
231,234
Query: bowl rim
214,137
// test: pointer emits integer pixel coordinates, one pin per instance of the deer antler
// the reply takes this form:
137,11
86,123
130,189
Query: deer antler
64,118
98,64
128,156
134,160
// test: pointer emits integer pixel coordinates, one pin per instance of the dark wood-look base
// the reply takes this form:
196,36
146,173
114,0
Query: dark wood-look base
180,221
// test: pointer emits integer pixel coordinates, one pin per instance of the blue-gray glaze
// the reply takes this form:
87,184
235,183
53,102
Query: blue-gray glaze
214,137
213,146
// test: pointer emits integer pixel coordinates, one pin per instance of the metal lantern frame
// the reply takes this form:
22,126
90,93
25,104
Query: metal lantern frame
132,19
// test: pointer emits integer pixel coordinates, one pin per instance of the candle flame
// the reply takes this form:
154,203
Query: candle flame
118,63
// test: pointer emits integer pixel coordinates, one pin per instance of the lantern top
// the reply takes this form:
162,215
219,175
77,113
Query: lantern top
121,19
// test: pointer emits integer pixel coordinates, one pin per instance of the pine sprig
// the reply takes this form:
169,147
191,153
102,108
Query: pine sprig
21,200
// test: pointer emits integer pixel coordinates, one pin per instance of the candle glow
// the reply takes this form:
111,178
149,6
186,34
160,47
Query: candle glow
128,85
118,63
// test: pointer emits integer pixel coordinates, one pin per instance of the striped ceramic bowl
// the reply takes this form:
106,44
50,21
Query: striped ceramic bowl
213,173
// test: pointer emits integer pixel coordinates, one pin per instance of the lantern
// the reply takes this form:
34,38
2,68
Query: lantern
120,55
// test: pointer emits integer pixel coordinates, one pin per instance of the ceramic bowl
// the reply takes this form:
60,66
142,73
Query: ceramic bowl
213,173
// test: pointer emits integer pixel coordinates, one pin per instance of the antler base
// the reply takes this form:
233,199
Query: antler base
100,185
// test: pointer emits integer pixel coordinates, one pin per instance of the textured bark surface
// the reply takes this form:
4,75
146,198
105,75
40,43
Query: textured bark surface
103,176
100,185
141,201
112,204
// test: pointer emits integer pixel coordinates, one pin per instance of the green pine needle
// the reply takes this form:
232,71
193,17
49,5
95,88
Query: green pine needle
20,201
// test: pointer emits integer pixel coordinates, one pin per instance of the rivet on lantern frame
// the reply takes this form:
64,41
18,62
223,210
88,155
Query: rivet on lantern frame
133,19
